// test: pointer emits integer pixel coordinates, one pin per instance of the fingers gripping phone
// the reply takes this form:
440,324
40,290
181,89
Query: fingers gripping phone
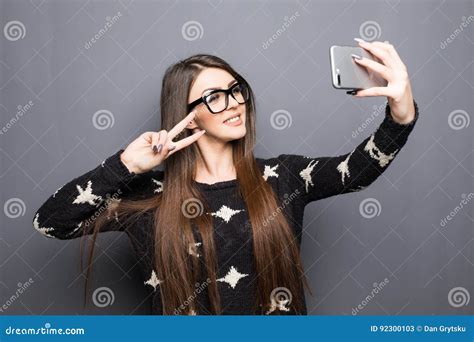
347,74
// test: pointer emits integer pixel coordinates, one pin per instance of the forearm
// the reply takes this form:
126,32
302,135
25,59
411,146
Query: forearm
68,210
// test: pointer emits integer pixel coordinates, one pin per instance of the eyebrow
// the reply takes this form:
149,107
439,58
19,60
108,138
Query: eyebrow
228,85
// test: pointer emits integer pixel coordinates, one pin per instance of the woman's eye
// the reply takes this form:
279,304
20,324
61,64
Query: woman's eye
237,90
212,98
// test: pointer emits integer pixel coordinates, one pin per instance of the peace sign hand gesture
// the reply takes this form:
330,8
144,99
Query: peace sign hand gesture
151,148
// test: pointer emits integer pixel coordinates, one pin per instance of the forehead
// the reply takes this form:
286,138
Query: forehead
210,78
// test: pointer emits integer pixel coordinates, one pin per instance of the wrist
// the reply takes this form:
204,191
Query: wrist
406,120
131,168
402,111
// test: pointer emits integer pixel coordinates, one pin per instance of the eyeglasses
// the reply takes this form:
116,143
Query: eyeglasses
217,100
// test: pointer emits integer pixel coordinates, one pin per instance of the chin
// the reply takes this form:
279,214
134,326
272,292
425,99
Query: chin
238,134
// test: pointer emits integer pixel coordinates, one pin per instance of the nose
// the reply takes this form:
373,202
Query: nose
232,102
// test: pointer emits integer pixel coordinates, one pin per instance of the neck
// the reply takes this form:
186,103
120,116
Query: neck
215,163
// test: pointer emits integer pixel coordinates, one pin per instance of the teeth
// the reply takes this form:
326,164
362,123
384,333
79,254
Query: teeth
235,118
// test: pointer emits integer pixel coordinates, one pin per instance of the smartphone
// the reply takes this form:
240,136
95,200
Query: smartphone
347,74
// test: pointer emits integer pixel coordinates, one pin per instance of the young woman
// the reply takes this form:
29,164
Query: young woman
218,231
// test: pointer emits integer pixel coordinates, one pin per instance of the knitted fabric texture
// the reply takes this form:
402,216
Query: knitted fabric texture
66,213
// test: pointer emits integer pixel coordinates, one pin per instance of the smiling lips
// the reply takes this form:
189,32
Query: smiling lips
233,120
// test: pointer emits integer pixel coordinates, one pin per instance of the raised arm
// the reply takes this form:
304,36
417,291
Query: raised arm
322,177
128,174
70,211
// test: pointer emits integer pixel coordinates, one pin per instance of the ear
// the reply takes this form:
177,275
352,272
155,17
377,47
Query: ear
192,124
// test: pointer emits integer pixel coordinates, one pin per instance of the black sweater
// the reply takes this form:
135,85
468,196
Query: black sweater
64,214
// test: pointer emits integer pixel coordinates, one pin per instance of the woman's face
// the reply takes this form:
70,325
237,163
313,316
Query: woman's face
215,124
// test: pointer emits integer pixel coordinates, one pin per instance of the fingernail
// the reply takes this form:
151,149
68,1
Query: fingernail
356,56
203,131
171,148
160,147
155,150
351,92
360,40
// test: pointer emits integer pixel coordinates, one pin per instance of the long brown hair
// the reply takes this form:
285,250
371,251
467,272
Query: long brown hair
276,253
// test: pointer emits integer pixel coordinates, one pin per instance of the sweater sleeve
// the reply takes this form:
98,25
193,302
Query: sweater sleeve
70,211
321,177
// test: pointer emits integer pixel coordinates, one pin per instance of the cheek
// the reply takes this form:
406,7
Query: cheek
209,122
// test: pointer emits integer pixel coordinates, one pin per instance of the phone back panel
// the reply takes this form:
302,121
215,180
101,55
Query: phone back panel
347,74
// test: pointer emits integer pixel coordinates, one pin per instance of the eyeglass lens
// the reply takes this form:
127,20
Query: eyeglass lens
218,101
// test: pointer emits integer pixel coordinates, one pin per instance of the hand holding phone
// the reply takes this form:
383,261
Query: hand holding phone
347,74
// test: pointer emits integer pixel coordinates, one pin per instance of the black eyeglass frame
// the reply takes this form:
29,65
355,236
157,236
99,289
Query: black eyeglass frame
227,92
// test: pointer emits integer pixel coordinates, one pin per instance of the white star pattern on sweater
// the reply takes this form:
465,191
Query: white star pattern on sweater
86,195
269,171
232,277
153,281
54,195
315,177
160,185
112,205
226,213
306,173
375,152
76,229
343,168
193,249
42,230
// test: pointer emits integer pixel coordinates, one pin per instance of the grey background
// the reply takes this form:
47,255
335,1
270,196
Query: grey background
344,252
